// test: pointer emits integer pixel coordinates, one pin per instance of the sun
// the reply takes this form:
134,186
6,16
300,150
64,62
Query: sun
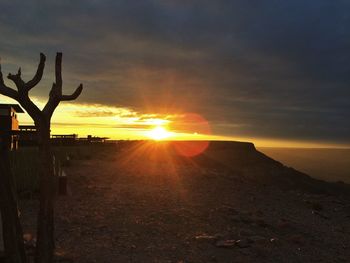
159,133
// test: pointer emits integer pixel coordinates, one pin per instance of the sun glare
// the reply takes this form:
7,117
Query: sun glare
159,133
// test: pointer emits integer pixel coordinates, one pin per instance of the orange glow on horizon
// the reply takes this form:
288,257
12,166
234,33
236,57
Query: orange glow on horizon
121,123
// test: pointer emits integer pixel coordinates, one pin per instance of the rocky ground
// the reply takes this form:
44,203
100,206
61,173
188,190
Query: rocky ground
232,204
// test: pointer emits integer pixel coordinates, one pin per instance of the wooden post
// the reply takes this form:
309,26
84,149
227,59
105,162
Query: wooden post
61,177
12,229
62,184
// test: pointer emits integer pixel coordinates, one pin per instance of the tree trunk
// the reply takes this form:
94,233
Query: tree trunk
45,235
12,229
42,118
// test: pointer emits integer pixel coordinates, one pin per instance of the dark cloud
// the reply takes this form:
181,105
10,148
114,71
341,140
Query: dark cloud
88,114
135,126
256,68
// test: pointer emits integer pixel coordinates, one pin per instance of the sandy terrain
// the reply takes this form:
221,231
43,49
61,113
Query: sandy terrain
144,204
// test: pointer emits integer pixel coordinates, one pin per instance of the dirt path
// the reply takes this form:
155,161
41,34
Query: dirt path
123,210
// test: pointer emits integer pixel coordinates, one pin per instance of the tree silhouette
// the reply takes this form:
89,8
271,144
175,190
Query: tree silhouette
42,121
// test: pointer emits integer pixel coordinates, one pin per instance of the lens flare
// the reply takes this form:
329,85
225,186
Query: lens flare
195,124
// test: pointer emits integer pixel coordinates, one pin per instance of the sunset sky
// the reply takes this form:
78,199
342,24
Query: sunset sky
273,72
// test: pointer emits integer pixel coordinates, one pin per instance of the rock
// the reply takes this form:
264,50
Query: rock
206,238
274,240
243,243
229,243
257,239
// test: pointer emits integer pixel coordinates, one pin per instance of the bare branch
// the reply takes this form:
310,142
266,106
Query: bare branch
6,91
74,95
1,77
53,101
30,107
38,75
56,91
58,70
24,87
21,95
17,79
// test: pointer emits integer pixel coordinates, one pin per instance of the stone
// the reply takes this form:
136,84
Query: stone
229,243
256,239
243,243
206,238
274,240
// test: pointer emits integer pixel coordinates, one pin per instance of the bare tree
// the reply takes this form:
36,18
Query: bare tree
42,120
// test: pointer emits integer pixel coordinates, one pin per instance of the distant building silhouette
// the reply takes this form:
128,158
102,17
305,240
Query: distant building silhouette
27,135
93,139
64,139
72,139
9,125
14,134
